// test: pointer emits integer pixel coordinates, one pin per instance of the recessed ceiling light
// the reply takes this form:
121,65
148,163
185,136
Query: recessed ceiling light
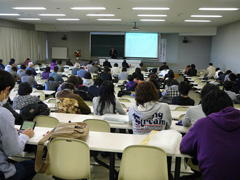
159,20
218,9
68,19
152,15
88,8
207,16
151,8
8,14
197,20
29,19
52,14
30,8
109,19
100,15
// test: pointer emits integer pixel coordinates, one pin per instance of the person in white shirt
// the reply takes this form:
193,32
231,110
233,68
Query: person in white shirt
115,70
210,71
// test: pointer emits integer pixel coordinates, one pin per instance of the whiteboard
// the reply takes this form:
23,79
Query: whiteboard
59,53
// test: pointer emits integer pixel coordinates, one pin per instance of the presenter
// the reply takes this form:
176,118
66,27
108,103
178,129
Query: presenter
113,53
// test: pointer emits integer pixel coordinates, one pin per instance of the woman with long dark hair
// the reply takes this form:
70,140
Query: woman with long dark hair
106,102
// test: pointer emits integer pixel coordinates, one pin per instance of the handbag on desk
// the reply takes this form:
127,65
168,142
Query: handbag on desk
78,130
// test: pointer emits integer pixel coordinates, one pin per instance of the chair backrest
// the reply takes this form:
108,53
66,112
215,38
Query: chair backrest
141,162
98,125
123,100
67,105
46,121
89,103
181,116
182,108
69,158
52,100
124,106
42,94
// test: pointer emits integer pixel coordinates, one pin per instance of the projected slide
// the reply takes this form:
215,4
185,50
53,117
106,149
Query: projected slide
142,45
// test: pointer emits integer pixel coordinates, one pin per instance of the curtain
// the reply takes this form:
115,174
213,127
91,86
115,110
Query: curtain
21,44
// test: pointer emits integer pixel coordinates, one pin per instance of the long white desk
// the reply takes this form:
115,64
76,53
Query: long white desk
113,143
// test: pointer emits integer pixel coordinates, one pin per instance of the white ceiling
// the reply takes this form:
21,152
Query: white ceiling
179,11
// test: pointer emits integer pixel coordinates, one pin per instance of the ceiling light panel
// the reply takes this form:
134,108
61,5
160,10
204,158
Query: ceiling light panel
191,20
157,20
105,15
52,14
218,9
68,19
152,15
29,19
88,8
109,19
9,14
206,16
151,8
30,8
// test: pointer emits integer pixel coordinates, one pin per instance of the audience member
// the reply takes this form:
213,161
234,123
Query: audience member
163,66
46,73
29,79
68,62
227,88
183,99
11,142
30,67
131,84
115,70
53,64
170,91
212,140
57,77
235,87
50,84
142,67
1,64
12,62
216,73
125,64
210,71
81,72
87,81
106,75
22,71
106,102
195,113
148,114
94,89
139,74
75,69
91,67
60,66
24,98
106,63
187,69
123,75
192,71
68,92
153,78
27,61
14,73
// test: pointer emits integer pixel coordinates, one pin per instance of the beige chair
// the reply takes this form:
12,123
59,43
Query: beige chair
181,117
236,106
123,100
42,94
51,100
98,125
89,103
124,106
140,162
69,159
46,121
182,108
127,96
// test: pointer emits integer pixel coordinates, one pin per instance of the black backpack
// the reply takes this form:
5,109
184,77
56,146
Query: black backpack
30,111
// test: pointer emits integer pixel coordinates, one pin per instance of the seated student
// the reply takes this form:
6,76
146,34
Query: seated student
11,142
53,64
9,69
12,62
123,75
125,64
15,74
68,92
94,89
81,72
106,75
131,84
46,73
87,81
115,70
22,71
1,64
139,74
168,78
192,71
212,140
30,67
75,69
68,62
29,79
235,87
216,73
164,66
142,67
51,85
71,79
187,69
106,102
195,113
60,66
82,90
183,99
57,77
227,88
80,85
106,63
153,78
135,76
170,91
148,114
24,98
27,61
91,67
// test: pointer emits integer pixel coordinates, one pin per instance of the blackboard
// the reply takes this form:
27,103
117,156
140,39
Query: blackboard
101,45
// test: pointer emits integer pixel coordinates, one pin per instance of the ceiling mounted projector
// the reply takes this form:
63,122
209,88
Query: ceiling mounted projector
135,28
